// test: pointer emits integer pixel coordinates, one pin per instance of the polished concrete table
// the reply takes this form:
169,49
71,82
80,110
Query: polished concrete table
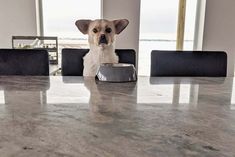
154,117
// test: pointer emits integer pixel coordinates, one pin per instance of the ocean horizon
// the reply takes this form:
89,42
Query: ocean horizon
145,48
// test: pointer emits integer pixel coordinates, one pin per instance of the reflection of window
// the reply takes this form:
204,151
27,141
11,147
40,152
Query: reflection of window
168,94
72,93
2,97
59,18
233,96
184,97
155,94
158,28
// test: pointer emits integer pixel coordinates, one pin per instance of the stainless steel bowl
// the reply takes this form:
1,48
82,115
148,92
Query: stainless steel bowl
120,72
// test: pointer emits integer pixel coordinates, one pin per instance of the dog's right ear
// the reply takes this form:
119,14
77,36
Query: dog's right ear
120,25
83,25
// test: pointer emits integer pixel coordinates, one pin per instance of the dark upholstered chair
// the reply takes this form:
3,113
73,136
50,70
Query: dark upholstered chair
72,60
189,63
24,62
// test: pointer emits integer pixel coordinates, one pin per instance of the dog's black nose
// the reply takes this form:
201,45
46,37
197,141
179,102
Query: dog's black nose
102,36
103,39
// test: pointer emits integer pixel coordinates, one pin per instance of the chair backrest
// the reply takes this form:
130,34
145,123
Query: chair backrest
24,62
189,63
72,60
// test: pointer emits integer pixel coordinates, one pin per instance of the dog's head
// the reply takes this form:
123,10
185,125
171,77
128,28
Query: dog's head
101,32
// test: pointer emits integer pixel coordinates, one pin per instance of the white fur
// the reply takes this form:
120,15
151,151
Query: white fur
96,56
101,51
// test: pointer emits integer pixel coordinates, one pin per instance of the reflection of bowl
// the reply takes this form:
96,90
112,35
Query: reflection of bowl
117,72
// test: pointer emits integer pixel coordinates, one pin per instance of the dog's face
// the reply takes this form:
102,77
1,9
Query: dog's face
101,33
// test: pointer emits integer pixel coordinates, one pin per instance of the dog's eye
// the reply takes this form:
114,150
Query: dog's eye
95,30
108,30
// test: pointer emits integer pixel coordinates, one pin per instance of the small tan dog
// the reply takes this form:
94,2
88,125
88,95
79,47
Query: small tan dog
101,38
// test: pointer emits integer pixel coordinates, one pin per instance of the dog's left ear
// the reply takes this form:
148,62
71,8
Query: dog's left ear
120,25
83,25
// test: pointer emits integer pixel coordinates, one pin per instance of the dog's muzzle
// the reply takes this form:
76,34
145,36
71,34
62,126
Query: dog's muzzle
103,40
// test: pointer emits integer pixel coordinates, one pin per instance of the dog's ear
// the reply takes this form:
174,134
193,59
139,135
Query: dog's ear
83,25
120,25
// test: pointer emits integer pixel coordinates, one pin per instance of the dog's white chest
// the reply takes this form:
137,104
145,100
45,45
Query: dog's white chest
93,60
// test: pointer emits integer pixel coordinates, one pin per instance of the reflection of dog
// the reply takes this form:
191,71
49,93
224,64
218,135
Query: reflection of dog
101,37
105,99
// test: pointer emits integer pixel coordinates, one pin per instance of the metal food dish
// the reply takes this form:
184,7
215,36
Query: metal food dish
119,72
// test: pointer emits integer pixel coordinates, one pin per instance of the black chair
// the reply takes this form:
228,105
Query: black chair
188,63
72,60
24,62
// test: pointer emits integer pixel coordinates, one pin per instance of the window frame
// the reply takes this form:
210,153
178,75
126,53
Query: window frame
181,25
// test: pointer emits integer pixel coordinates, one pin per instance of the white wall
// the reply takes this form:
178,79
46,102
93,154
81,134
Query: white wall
129,9
17,17
219,31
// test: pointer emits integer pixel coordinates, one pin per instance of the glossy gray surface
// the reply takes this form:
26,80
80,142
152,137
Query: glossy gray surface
156,117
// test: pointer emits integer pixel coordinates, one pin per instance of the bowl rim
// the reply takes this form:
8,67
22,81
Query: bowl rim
116,65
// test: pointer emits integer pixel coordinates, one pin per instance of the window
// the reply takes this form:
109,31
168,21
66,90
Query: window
158,28
59,18
190,18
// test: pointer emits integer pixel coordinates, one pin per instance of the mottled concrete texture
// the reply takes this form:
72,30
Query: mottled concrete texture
76,117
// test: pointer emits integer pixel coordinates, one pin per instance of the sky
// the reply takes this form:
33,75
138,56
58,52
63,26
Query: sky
158,17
